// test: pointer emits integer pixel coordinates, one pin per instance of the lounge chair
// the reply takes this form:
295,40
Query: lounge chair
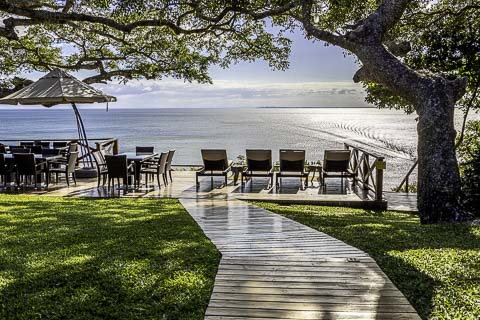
292,165
259,164
336,165
215,164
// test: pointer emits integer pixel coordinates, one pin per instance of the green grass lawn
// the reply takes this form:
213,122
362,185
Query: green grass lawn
65,258
437,267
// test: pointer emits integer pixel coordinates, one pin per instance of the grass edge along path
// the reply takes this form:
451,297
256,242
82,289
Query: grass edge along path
437,267
70,258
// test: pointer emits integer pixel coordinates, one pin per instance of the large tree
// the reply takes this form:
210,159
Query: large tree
131,38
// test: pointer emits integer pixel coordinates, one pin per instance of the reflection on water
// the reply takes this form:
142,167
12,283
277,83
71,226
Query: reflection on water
392,133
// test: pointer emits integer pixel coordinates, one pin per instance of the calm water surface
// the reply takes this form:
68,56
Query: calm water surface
391,133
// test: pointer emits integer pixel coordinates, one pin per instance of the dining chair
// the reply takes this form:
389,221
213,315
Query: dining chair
59,144
156,170
102,171
27,167
67,168
26,143
144,150
20,150
168,168
4,170
36,149
42,144
118,167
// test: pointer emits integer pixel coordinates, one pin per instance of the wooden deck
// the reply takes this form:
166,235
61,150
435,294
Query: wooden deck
335,193
275,268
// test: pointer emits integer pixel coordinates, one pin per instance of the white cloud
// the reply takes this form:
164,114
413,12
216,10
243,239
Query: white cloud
230,93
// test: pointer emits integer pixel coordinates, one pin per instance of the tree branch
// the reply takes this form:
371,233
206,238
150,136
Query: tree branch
319,33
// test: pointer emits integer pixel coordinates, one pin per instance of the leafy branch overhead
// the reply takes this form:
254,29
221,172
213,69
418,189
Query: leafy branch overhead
132,39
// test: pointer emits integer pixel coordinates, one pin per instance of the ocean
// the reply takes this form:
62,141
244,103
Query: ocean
388,132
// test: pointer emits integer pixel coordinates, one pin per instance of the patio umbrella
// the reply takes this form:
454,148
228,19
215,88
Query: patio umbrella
58,87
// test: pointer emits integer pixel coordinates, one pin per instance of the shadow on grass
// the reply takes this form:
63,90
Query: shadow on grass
102,259
437,267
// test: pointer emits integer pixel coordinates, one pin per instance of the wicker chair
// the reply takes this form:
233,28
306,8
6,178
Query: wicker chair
118,168
157,169
168,168
27,167
144,150
102,171
67,168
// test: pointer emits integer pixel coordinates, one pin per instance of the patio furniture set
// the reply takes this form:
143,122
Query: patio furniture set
129,167
259,163
27,162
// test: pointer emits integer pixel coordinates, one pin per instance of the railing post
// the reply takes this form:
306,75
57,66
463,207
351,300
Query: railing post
115,146
379,167
366,165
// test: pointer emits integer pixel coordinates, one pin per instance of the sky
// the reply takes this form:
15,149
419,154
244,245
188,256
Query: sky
318,76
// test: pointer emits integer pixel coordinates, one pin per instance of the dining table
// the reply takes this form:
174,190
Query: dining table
46,158
137,159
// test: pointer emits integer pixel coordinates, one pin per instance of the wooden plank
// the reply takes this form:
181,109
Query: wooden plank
245,313
276,268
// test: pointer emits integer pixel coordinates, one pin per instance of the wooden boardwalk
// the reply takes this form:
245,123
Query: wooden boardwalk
275,268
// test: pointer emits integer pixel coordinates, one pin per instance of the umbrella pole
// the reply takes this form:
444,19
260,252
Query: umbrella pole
81,133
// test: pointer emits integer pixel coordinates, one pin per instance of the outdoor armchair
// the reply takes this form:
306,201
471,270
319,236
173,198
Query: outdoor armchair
259,164
102,171
292,164
157,169
67,168
336,165
215,164
19,150
59,144
118,168
168,168
26,167
144,150
5,170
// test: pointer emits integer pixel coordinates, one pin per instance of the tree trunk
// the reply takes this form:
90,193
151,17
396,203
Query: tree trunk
439,188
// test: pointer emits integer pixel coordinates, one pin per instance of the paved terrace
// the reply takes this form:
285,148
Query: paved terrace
273,267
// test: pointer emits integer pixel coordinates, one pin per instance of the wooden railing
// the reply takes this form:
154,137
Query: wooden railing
368,168
110,144
406,180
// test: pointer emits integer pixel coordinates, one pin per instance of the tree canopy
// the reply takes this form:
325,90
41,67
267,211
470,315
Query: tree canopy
128,39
